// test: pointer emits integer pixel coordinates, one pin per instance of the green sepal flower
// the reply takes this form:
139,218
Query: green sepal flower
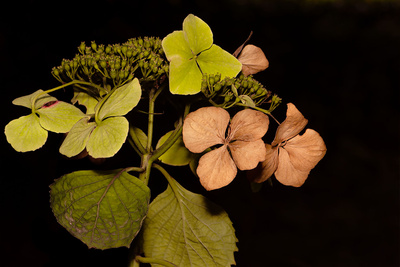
191,53
104,136
29,133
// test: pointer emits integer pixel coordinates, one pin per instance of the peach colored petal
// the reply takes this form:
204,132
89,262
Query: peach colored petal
253,60
248,125
204,128
306,150
216,169
286,173
265,169
247,155
291,126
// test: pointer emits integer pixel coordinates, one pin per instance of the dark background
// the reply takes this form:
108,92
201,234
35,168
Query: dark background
339,62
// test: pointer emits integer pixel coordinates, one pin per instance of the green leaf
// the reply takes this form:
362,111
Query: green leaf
108,137
177,154
26,101
121,101
191,53
25,133
103,209
188,230
59,117
76,140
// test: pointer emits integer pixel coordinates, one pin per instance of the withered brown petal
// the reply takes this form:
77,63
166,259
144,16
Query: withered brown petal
286,173
240,48
253,60
291,126
204,128
248,125
306,150
266,168
216,169
247,155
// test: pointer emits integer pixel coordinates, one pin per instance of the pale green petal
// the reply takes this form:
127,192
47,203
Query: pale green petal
185,77
26,101
217,60
121,101
59,117
108,137
25,133
85,100
175,45
197,33
76,140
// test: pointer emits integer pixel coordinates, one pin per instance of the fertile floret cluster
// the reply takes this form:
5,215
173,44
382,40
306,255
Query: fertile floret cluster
227,92
114,65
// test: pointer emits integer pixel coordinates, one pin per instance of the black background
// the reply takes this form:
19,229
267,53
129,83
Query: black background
339,63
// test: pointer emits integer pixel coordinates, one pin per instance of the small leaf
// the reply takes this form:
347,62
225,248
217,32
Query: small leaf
121,101
108,137
142,137
25,133
26,101
187,229
103,209
177,154
247,101
59,117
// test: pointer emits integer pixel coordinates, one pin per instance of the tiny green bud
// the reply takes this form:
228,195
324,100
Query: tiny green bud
211,79
94,45
217,77
108,49
121,74
82,48
113,73
217,87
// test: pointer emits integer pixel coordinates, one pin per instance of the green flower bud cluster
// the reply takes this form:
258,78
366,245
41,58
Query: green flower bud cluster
228,92
113,65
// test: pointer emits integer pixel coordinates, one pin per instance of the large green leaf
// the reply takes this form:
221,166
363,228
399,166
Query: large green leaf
25,133
121,101
103,209
188,230
191,53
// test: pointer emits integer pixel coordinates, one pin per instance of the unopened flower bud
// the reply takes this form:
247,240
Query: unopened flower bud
82,48
94,45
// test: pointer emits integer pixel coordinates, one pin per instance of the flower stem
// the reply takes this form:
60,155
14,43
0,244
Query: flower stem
60,87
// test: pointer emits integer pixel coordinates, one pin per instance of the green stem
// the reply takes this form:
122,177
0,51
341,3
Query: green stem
153,261
60,87
172,138
150,125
